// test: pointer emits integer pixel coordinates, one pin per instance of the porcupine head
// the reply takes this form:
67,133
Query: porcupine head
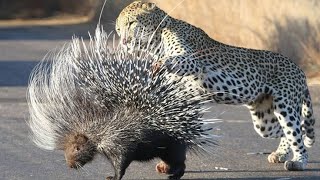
78,149
90,99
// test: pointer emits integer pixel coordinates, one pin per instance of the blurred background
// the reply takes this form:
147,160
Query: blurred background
291,27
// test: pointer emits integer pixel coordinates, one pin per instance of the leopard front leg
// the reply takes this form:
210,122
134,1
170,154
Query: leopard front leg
290,121
282,153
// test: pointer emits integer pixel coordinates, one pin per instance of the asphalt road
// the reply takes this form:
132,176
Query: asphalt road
235,158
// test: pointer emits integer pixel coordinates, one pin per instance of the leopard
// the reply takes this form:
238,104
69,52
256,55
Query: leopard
269,84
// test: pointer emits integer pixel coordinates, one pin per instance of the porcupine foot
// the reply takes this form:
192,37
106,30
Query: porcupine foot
175,172
162,168
173,161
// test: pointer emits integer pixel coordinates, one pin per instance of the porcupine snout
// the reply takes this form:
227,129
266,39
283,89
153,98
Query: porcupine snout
78,150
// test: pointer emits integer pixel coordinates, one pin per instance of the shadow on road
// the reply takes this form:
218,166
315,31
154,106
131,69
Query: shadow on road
59,32
293,177
15,73
262,178
232,171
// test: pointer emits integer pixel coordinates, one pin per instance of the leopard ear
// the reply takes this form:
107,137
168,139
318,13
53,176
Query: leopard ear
148,6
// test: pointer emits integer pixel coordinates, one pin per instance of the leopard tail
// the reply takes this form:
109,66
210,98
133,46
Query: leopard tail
309,120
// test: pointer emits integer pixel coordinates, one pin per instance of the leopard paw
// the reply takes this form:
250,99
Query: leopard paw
294,165
276,157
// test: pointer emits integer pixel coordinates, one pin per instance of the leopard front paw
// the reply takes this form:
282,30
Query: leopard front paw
276,157
109,178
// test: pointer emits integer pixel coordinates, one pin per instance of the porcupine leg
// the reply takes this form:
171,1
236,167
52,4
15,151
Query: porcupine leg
119,168
173,161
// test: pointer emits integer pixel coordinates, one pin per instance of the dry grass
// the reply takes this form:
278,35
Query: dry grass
52,21
311,55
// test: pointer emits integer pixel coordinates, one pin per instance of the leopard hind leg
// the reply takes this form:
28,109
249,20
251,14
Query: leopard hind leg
267,125
265,122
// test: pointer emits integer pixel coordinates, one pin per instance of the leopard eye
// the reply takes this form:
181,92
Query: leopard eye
77,148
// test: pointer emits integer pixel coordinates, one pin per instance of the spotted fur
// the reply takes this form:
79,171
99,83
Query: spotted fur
272,86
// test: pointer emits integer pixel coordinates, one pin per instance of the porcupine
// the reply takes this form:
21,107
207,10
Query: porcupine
90,99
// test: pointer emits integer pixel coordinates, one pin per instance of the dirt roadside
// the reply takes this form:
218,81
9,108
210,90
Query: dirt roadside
52,21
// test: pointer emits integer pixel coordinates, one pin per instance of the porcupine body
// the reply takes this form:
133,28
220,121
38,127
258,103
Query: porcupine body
89,99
